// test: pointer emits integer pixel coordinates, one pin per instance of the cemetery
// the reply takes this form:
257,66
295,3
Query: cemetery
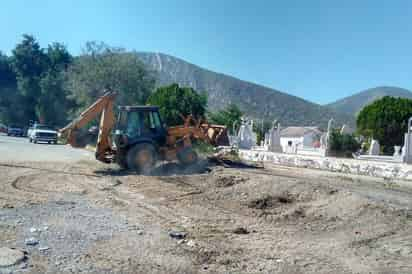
294,151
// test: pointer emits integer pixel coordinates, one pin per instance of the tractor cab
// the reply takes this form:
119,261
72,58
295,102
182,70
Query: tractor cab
137,124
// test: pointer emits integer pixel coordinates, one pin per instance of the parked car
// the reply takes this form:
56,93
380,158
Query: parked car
14,130
42,133
3,128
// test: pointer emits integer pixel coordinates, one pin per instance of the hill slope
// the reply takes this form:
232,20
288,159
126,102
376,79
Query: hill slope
353,104
255,100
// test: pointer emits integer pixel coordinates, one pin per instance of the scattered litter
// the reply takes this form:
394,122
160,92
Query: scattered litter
140,232
177,234
31,241
34,230
45,228
132,227
191,243
44,248
181,241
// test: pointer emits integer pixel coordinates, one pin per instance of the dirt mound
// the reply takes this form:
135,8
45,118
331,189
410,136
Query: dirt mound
227,181
268,201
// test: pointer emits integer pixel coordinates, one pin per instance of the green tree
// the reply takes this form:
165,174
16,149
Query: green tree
58,57
386,121
101,67
9,96
261,128
343,144
230,117
29,62
53,103
174,101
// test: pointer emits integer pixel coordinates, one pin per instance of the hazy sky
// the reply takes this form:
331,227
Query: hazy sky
318,50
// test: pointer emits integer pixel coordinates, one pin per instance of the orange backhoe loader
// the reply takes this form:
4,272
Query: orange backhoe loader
137,139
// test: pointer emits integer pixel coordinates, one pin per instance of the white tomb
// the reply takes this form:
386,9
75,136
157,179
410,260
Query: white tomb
273,141
246,137
375,148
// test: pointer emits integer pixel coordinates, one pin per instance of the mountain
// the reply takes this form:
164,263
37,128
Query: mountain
353,104
256,101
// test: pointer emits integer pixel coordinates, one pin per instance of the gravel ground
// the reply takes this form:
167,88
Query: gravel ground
94,218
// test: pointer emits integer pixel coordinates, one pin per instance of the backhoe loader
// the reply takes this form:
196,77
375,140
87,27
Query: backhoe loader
137,139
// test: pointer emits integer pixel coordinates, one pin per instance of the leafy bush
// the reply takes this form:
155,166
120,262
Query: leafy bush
229,117
343,145
260,128
203,148
386,121
174,101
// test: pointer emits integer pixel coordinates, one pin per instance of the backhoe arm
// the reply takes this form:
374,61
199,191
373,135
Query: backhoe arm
103,106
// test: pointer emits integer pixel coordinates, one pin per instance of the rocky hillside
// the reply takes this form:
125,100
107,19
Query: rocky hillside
353,104
255,100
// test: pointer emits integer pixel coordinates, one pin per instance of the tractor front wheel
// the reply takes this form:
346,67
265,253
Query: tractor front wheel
142,158
187,156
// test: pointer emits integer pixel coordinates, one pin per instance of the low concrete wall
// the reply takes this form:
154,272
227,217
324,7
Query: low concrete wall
352,166
311,152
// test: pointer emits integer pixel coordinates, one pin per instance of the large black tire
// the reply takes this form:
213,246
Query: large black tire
187,156
121,158
142,158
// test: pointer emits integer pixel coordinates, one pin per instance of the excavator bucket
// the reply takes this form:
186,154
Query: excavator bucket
215,135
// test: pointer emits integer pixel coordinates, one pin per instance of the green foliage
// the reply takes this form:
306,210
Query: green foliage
101,67
174,101
9,97
58,58
260,129
386,121
29,62
47,84
36,84
203,148
53,102
343,144
229,117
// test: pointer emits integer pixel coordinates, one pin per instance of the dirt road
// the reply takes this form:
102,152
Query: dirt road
94,218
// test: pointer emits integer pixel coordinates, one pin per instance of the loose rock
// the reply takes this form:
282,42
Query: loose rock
31,241
240,230
177,234
44,248
9,256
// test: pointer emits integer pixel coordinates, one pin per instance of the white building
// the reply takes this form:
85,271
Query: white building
293,138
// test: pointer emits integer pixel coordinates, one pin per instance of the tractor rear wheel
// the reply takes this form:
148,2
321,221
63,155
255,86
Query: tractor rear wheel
187,156
141,158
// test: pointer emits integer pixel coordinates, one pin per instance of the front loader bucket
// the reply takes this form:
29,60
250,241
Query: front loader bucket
218,135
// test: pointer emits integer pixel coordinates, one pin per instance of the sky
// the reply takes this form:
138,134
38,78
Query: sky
320,50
